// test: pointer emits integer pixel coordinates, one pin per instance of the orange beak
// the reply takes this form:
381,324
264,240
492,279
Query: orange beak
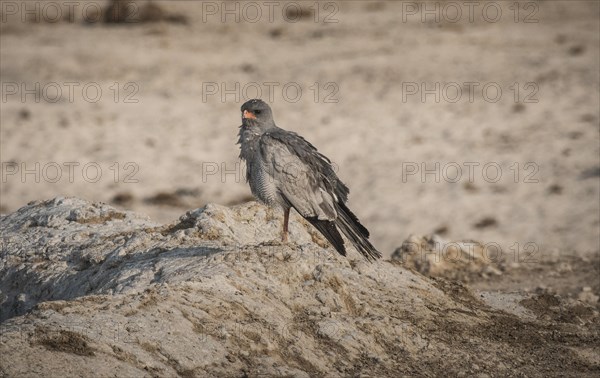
249,115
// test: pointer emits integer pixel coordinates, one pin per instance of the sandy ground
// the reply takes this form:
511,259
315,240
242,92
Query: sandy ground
160,139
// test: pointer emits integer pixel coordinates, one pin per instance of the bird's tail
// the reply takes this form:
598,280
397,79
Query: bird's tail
327,228
355,232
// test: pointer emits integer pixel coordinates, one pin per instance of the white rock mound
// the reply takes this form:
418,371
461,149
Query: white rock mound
89,290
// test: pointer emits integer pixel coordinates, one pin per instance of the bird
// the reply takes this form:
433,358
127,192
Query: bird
286,171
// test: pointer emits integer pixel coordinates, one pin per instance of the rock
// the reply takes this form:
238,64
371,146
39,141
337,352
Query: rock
433,256
588,296
89,290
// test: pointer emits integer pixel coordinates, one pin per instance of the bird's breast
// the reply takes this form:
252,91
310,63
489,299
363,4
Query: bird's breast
263,185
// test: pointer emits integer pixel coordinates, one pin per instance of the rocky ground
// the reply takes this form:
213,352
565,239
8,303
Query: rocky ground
90,290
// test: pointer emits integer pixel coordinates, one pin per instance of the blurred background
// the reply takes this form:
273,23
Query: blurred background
469,120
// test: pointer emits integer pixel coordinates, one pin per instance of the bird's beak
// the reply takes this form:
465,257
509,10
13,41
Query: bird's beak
248,114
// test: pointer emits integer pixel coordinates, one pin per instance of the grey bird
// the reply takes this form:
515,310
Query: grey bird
286,171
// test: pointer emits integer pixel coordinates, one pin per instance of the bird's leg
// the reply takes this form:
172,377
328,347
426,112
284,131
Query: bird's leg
286,218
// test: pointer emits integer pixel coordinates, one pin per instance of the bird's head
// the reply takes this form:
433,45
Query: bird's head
257,114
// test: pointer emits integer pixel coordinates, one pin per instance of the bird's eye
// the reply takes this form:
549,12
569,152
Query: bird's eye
257,111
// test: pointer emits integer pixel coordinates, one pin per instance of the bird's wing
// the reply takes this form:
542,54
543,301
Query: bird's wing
303,177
